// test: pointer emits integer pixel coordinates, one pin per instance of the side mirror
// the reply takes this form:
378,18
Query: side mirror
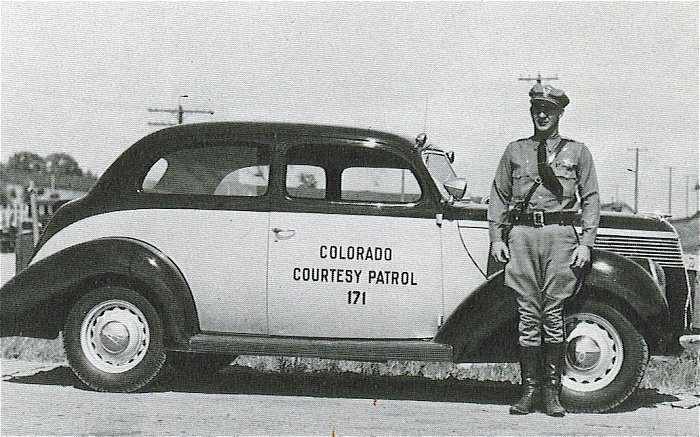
456,187
451,156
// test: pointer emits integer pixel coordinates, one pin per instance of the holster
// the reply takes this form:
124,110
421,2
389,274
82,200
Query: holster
518,208
514,211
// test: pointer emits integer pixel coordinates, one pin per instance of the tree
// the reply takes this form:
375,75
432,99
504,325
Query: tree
27,162
63,164
307,180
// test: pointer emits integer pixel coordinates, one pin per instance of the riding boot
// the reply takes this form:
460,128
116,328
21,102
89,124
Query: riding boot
553,366
529,375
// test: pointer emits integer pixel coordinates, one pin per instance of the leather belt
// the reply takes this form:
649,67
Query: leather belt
541,218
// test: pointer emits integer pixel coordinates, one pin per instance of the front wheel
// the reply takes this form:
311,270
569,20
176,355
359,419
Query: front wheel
113,340
606,357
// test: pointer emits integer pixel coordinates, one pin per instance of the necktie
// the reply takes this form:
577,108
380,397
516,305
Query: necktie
549,179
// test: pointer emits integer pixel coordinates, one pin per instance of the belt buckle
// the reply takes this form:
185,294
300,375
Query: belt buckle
538,218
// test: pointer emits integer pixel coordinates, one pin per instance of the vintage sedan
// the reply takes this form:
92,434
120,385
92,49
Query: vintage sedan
221,239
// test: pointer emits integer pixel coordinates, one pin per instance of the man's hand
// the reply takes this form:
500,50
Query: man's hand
499,250
580,257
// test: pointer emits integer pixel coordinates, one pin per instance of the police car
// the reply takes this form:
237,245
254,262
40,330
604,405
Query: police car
219,239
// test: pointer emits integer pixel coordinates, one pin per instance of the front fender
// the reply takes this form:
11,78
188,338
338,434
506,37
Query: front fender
34,303
484,327
625,280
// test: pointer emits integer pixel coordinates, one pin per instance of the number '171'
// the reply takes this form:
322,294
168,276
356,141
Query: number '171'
356,297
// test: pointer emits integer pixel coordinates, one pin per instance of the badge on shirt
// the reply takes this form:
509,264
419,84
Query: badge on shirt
567,163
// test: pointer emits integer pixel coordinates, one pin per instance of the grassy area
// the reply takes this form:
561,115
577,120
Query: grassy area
32,349
679,374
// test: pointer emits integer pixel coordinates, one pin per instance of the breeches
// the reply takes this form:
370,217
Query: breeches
539,271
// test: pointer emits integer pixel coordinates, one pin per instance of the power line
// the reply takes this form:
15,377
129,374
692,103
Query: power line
538,78
179,111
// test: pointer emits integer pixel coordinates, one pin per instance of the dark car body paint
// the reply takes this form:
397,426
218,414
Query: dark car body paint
484,327
34,301
119,188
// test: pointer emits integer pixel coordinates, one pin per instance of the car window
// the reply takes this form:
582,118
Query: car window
237,170
349,172
306,181
440,169
154,174
379,184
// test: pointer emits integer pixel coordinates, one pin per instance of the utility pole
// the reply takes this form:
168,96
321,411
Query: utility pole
35,212
670,184
179,111
538,78
687,195
636,177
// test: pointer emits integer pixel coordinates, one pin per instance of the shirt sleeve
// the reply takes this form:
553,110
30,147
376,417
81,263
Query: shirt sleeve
590,198
501,192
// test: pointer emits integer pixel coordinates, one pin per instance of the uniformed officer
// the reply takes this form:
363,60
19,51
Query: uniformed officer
541,183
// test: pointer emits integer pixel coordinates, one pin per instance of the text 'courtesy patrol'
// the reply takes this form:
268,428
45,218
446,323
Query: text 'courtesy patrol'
351,275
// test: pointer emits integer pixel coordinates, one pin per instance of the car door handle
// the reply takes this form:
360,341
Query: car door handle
283,234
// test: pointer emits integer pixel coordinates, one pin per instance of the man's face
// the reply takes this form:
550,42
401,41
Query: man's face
545,115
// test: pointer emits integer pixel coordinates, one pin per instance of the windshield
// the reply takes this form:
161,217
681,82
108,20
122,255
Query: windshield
440,169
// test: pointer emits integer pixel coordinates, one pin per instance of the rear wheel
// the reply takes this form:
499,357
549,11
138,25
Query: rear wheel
606,357
113,339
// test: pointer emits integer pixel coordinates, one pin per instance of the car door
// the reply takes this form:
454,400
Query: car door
354,248
213,223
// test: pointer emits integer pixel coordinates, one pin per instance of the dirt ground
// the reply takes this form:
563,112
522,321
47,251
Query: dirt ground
40,399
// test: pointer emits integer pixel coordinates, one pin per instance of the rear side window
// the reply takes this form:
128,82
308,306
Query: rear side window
237,170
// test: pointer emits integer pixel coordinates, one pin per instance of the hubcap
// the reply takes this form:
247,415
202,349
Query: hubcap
583,353
594,353
114,336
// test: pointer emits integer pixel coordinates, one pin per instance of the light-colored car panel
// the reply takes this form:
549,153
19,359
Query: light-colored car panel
354,276
222,255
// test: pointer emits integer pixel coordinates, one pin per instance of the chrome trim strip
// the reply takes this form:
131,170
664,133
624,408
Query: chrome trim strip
481,224
634,233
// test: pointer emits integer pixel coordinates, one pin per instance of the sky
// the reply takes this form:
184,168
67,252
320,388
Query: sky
79,78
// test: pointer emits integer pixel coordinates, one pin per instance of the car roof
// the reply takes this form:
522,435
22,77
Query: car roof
162,140
225,129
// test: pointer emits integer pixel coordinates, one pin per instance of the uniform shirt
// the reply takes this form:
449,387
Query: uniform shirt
516,174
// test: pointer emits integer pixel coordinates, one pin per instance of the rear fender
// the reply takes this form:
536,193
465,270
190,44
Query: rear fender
34,303
484,327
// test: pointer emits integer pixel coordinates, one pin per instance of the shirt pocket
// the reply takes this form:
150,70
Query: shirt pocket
566,173
521,183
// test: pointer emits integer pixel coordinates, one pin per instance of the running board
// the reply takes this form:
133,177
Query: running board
355,350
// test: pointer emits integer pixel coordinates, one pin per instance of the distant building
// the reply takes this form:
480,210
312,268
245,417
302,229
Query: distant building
52,191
